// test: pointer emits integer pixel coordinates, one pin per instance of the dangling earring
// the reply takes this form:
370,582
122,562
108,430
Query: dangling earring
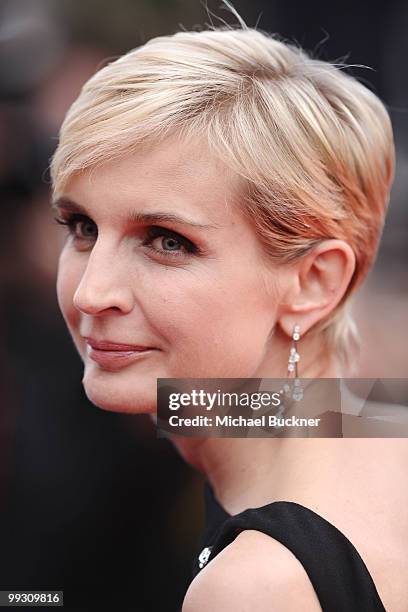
297,392
294,391
294,355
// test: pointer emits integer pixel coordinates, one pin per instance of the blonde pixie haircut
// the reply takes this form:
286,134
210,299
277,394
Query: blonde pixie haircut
313,146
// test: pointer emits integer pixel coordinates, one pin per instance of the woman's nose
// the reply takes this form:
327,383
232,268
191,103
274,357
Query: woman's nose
104,285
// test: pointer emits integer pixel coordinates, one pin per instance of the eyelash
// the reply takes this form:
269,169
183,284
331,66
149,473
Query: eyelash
155,231
71,222
152,232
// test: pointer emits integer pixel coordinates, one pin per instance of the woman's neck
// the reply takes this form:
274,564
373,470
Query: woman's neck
319,472
246,472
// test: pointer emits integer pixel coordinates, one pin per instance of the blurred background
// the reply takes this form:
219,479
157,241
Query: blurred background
92,502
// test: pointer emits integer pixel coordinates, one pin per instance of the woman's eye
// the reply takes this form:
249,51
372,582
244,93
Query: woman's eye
168,243
80,227
86,229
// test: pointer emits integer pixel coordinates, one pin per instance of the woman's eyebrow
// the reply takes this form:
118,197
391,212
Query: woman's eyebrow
68,205
163,217
134,217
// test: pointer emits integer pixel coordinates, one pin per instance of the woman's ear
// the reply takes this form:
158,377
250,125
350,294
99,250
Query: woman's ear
317,283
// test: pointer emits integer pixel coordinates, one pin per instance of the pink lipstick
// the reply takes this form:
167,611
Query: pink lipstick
115,355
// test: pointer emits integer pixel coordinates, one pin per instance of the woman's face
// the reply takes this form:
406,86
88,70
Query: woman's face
161,276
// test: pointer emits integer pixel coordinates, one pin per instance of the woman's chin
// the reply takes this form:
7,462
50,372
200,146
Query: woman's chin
126,395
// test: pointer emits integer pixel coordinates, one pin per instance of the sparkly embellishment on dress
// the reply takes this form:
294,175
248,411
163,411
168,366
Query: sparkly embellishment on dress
204,556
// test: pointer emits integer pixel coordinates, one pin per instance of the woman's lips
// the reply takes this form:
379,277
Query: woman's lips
114,355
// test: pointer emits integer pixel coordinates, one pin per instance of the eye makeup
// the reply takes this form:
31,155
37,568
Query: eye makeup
161,241
79,226
172,243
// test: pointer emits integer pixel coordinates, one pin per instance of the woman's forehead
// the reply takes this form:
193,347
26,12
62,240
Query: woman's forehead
183,178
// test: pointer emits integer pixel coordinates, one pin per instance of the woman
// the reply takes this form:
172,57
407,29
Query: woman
224,195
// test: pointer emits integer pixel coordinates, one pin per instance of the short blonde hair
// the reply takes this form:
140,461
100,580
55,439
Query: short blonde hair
313,146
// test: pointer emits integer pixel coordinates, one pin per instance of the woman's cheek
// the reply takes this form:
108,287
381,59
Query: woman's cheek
197,322
68,278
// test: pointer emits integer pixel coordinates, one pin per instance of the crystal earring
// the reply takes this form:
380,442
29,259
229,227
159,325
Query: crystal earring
296,393
294,355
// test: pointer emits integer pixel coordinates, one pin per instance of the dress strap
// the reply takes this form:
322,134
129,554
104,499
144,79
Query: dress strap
338,574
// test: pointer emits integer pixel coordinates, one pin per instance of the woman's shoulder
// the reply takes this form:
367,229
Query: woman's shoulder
271,579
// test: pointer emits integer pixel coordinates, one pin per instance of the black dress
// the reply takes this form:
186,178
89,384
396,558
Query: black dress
338,574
